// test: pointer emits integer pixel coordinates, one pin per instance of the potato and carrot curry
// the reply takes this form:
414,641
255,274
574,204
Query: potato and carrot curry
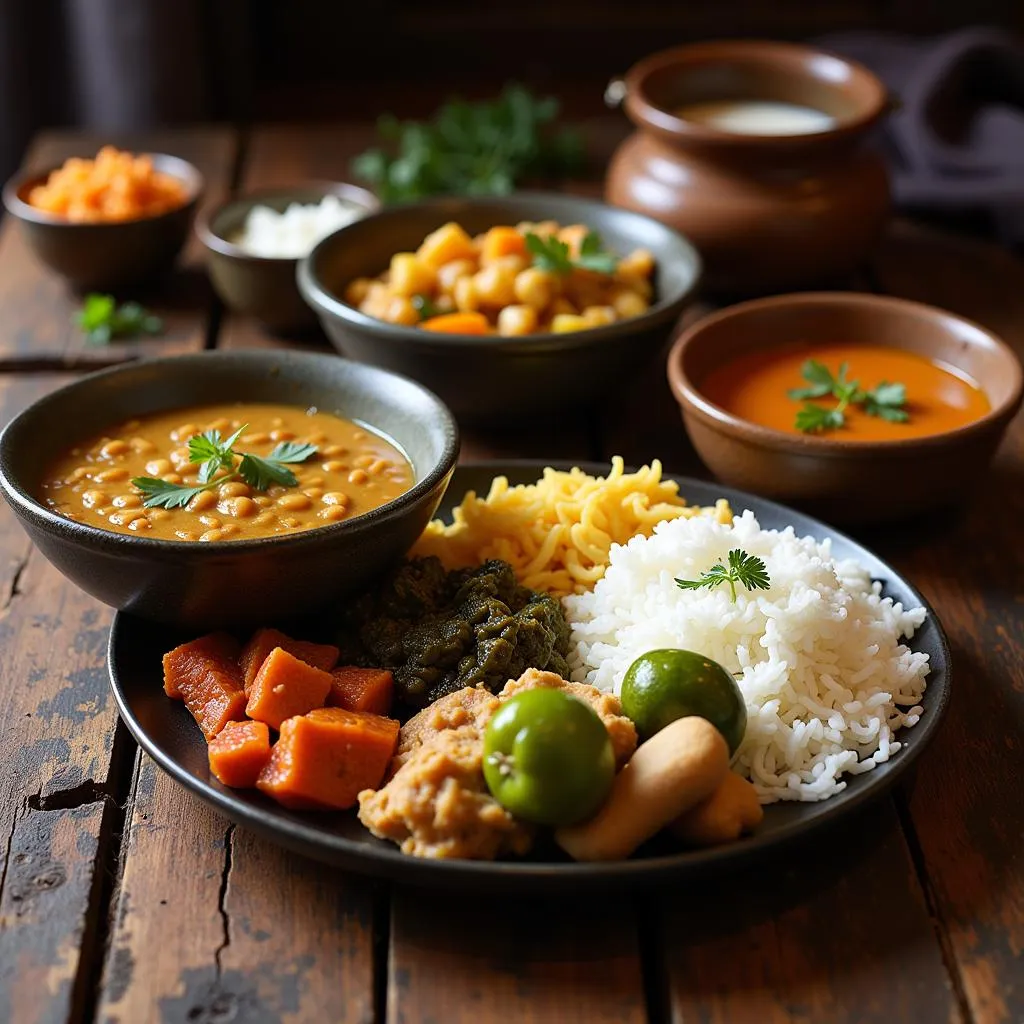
227,472
511,280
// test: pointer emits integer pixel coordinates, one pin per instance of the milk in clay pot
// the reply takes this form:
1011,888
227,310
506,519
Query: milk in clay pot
755,151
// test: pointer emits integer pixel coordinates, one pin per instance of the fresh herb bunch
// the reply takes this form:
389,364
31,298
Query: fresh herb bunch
214,455
474,149
749,570
103,319
886,401
552,255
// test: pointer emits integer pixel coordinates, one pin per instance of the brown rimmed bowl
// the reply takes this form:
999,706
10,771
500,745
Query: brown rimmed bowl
249,582
264,286
845,481
107,255
495,378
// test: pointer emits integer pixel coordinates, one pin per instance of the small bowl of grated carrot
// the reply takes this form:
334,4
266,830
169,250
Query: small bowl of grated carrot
116,219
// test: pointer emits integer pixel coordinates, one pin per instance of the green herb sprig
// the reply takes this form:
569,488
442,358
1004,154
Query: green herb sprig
425,306
551,254
485,148
885,400
103,320
748,570
215,454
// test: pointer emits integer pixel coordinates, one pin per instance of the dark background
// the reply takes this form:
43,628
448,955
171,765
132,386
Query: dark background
125,64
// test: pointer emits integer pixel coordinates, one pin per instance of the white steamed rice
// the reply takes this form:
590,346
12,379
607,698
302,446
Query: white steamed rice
818,657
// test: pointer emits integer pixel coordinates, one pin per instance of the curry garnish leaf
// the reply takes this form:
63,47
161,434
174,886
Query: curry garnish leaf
161,494
748,570
553,255
593,256
215,455
425,306
885,401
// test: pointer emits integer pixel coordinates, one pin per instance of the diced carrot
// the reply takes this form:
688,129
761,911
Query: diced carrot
449,242
502,241
219,646
284,687
263,641
361,689
458,323
239,752
324,759
209,683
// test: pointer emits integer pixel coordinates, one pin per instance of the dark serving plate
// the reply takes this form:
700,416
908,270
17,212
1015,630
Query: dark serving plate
166,731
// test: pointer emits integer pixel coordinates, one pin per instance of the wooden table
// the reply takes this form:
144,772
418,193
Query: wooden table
124,899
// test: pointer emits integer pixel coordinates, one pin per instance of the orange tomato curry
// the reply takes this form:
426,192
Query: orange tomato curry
353,471
755,387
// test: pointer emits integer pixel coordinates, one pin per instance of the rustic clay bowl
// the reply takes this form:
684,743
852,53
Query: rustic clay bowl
498,378
766,212
107,255
250,582
844,481
261,286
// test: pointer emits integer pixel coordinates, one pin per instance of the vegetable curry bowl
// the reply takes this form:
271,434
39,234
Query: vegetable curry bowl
228,487
860,408
504,306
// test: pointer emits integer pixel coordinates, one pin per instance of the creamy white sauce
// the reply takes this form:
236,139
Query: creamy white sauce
757,117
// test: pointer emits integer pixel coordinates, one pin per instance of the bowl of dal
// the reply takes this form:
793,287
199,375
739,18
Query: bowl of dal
225,488
858,408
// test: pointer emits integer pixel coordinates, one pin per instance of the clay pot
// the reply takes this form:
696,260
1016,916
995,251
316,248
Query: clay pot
766,212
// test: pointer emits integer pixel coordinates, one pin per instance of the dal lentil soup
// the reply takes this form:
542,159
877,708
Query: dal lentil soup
351,471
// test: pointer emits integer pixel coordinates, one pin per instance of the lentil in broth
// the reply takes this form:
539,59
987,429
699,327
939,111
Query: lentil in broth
755,386
353,471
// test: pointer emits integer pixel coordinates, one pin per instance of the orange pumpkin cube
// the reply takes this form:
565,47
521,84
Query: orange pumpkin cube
209,682
239,752
323,760
263,641
361,689
285,687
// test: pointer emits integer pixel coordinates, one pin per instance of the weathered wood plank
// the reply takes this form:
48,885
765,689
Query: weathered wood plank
38,305
213,923
965,807
48,913
834,929
487,959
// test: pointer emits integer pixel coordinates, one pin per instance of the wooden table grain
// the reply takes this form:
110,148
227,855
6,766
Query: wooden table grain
125,900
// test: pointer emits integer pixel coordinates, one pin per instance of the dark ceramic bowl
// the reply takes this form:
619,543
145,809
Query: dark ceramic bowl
497,377
201,586
845,481
261,286
107,255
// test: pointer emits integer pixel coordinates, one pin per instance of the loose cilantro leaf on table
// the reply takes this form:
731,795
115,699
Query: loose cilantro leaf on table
103,320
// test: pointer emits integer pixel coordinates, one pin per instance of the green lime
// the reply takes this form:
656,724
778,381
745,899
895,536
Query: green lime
663,685
548,757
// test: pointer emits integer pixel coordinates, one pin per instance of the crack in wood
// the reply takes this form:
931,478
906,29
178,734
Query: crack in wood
14,589
939,925
88,792
222,896
15,818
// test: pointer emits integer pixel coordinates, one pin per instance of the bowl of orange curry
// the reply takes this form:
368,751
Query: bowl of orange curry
228,487
114,219
859,408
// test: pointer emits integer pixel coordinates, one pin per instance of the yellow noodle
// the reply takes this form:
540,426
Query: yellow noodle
557,533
